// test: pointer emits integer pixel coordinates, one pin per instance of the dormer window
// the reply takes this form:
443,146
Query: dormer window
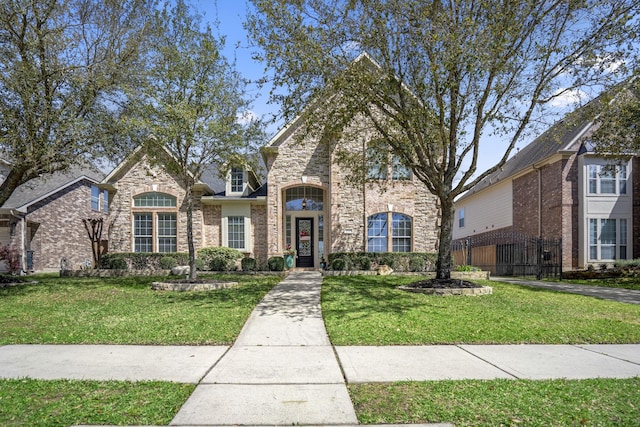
237,180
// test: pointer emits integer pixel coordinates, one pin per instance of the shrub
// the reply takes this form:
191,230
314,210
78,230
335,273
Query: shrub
276,263
416,263
364,262
167,262
199,264
117,264
220,258
12,258
338,264
387,259
248,264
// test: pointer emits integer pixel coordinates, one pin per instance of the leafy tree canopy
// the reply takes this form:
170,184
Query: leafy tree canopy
443,75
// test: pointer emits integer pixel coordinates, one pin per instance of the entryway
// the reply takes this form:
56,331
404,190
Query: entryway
304,242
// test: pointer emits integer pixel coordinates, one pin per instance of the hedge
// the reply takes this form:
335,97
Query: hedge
399,261
145,260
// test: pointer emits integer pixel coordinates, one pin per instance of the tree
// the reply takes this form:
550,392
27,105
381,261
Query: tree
94,231
443,75
619,119
193,103
59,61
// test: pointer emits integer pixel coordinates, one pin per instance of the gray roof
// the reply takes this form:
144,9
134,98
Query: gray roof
49,184
562,137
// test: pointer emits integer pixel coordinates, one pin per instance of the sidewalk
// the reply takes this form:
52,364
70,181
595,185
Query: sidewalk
283,370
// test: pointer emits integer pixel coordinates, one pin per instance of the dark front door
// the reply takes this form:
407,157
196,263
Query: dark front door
304,242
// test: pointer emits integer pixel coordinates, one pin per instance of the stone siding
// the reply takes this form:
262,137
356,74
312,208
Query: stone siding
144,178
259,233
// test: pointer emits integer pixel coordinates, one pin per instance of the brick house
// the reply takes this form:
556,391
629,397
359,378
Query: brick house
557,187
303,200
42,219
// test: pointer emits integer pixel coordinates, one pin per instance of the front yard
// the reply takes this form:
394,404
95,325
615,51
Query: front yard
358,311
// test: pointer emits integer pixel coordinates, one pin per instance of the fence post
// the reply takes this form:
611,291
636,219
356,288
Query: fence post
539,260
469,260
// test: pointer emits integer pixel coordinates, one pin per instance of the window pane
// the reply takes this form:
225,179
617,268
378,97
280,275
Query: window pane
377,162
154,200
608,239
593,179
167,235
105,201
237,180
377,233
622,176
593,239
95,198
311,198
607,181
143,232
400,171
235,232
401,230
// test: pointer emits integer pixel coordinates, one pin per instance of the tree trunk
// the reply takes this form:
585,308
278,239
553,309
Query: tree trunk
443,265
193,273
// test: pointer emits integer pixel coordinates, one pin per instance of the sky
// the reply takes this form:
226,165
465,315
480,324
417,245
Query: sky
231,14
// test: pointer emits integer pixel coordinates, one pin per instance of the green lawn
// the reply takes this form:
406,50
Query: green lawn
593,402
370,310
125,311
26,402
612,282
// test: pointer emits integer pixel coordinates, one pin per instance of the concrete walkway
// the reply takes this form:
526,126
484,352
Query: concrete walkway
283,370
629,296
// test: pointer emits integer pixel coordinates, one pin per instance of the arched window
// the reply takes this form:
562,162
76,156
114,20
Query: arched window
304,199
154,223
378,232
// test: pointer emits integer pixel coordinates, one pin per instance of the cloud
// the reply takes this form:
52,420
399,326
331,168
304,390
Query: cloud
246,117
562,98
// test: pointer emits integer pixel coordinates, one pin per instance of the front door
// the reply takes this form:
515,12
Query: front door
304,242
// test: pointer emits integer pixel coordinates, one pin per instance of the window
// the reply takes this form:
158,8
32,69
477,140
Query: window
237,180
154,200
99,197
95,198
604,179
461,218
401,231
376,163
155,228
143,232
400,172
235,232
607,239
167,232
378,232
304,198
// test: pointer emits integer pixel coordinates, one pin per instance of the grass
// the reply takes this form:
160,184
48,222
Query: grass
64,403
592,402
370,310
125,311
611,282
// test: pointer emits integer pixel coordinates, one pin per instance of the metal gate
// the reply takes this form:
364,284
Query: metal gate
510,254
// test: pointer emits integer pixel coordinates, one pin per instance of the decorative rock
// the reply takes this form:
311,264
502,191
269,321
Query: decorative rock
182,286
384,270
180,270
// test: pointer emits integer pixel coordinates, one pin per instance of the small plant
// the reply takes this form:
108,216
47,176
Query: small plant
220,258
416,263
276,263
467,268
200,266
338,264
167,263
248,264
118,264
364,263
289,251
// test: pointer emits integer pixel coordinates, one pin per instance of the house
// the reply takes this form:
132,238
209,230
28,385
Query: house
42,220
302,200
558,188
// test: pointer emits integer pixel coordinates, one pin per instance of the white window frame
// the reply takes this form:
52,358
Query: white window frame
597,174
237,210
236,233
620,244
392,237
156,205
232,188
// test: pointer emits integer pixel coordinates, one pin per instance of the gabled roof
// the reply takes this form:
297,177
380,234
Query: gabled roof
563,138
47,185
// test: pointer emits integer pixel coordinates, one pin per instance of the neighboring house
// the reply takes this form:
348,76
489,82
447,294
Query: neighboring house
42,219
308,202
557,188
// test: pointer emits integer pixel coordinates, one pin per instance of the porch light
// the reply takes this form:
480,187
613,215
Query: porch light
304,204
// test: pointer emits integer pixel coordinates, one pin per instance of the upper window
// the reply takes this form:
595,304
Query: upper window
98,198
154,200
461,218
378,232
304,199
381,165
237,180
400,172
607,179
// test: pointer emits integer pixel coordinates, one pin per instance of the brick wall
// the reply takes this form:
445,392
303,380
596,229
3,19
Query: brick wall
259,232
57,229
526,204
